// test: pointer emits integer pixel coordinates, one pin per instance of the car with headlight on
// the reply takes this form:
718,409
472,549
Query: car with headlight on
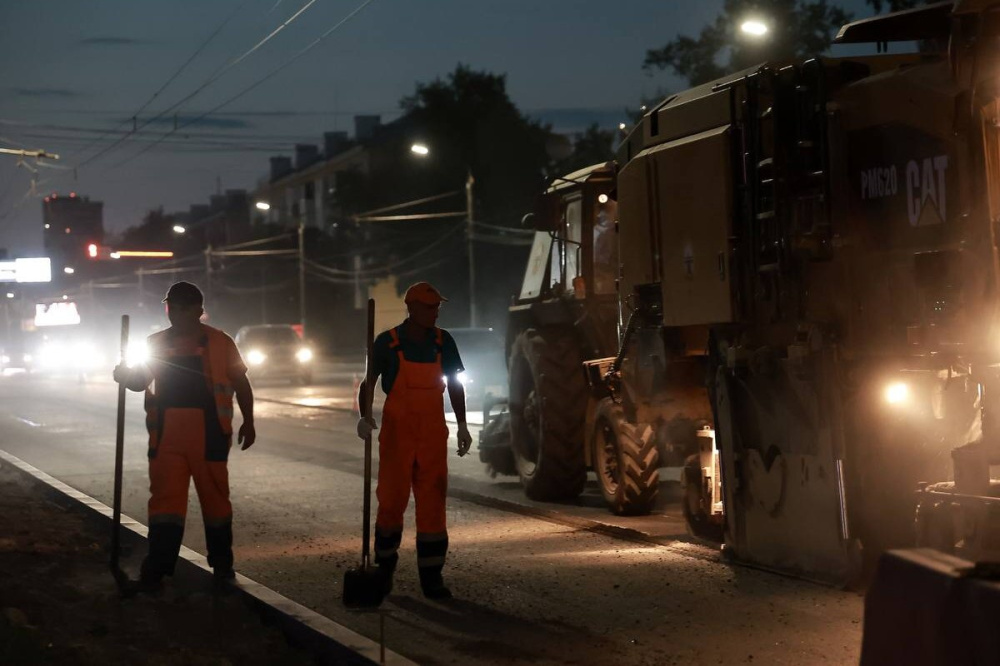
275,351
15,359
70,353
482,355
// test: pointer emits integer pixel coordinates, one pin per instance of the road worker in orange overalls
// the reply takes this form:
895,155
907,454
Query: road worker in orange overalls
416,361
190,377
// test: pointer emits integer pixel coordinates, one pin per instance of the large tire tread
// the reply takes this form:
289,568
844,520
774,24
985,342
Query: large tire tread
553,357
638,462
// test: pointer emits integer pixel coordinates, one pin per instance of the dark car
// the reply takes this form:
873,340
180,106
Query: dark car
275,351
485,373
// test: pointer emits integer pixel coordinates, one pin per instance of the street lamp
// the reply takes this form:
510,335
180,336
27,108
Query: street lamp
754,27
68,270
422,150
179,229
263,205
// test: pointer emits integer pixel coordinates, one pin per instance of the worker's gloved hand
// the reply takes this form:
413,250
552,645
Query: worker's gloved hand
464,439
365,426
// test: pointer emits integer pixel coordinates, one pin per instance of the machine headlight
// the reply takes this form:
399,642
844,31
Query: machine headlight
464,378
897,393
137,353
304,355
256,357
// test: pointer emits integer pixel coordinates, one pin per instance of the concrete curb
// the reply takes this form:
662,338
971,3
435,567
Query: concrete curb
330,642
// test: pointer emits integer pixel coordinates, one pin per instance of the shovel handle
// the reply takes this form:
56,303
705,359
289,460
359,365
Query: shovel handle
367,411
119,455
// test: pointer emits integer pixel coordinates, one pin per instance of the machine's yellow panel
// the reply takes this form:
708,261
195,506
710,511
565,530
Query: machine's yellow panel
694,216
634,237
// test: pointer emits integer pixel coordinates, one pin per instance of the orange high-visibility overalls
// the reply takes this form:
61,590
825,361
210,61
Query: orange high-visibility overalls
189,418
413,453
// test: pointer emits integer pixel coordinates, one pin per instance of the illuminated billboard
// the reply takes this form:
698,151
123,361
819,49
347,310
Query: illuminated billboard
37,269
60,313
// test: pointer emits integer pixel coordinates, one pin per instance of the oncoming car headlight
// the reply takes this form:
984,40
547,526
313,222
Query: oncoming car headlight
256,357
85,356
304,355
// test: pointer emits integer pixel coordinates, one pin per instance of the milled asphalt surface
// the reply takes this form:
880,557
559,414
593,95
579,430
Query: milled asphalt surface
541,583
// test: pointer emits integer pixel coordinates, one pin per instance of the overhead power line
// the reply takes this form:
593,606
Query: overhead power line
170,80
215,76
260,81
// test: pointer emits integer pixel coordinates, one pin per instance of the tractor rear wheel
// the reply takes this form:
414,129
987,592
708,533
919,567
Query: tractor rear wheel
548,402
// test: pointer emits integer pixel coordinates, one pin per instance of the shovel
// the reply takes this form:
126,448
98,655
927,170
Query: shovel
120,577
363,585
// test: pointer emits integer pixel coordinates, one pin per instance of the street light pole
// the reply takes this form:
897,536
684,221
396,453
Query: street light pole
469,249
208,272
302,278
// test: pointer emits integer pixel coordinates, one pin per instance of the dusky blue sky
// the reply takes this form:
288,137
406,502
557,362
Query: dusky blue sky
91,65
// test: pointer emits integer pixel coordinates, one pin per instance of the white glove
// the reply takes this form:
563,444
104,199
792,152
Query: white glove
365,427
464,439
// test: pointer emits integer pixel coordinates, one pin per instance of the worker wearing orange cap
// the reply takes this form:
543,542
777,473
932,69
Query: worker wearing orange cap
190,379
416,361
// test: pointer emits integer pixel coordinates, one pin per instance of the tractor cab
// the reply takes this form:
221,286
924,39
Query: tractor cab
573,268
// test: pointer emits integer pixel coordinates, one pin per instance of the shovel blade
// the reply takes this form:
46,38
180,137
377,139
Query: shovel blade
363,588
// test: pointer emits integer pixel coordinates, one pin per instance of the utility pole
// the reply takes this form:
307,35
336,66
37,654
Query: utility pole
357,282
302,277
138,274
469,249
208,272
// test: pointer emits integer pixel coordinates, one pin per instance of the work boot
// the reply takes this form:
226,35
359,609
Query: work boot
387,555
432,583
219,544
385,574
147,584
221,575
164,546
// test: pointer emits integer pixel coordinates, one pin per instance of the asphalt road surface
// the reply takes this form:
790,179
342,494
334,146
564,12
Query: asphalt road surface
535,583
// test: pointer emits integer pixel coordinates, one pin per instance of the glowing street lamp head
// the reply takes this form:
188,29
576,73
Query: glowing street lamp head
754,28
419,149
179,229
263,205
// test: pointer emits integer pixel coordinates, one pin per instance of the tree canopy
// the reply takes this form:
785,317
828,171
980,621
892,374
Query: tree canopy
798,29
470,124
895,5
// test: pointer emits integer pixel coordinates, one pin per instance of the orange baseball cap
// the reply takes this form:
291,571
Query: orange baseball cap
423,292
